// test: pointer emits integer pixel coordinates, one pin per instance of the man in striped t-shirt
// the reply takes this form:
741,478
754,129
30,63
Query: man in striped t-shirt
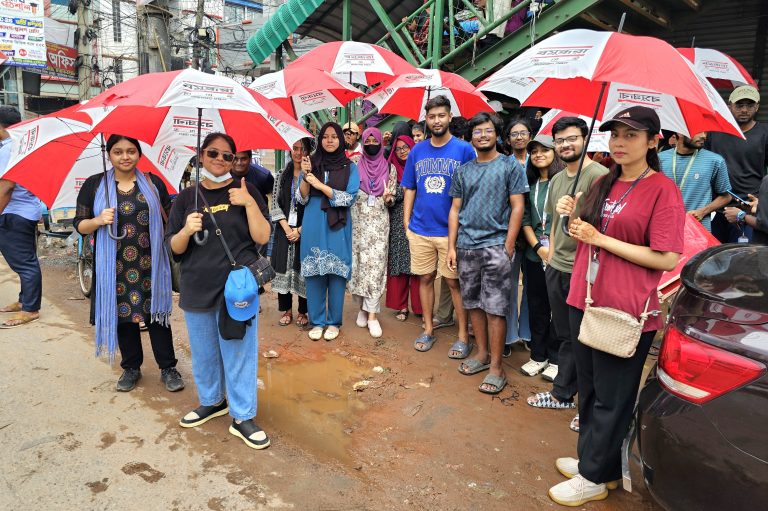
701,176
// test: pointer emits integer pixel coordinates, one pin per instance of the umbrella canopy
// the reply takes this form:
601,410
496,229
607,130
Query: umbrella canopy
355,62
169,108
568,70
598,142
301,91
53,155
407,94
720,69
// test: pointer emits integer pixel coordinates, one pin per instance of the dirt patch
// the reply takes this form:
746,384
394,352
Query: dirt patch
98,486
144,471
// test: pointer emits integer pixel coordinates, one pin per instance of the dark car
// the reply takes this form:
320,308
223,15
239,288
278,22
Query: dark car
703,415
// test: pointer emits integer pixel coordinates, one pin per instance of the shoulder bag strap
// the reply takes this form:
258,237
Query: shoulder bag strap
588,299
157,196
216,225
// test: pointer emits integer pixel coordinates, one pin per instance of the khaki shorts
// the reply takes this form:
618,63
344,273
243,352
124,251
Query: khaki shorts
429,253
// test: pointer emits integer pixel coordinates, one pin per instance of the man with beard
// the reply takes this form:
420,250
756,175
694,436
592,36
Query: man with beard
701,176
257,175
426,181
746,158
485,219
569,134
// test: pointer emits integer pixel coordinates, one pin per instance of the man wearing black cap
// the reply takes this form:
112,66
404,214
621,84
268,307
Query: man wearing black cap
747,158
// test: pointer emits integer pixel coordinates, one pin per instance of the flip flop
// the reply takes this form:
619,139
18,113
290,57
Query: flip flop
498,383
286,319
302,320
473,366
463,347
426,340
401,315
12,307
18,321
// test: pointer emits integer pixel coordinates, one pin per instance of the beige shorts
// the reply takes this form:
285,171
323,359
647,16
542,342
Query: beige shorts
429,253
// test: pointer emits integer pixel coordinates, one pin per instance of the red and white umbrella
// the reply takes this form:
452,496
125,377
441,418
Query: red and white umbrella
568,71
301,91
407,94
53,155
598,142
355,62
172,107
721,69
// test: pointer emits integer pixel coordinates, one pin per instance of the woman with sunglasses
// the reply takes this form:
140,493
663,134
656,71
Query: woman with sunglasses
370,231
132,275
400,282
224,370
328,187
287,215
629,231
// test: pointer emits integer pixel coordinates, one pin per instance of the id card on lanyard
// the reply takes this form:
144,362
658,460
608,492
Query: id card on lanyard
543,239
371,197
293,217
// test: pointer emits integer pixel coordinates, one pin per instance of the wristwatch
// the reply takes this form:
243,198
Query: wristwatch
741,215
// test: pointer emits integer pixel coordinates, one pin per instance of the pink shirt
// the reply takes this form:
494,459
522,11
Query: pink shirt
652,215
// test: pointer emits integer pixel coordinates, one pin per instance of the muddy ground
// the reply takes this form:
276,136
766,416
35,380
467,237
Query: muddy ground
419,436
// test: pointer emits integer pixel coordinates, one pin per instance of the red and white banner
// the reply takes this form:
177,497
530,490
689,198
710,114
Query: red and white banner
61,61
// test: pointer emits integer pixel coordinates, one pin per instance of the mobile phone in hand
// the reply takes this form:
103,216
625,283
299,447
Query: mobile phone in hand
739,199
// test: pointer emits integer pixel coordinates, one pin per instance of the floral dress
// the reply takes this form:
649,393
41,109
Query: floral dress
370,243
134,263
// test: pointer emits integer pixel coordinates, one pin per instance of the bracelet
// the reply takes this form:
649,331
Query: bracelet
537,246
741,215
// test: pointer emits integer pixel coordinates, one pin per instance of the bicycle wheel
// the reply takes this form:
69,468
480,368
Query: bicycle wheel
85,266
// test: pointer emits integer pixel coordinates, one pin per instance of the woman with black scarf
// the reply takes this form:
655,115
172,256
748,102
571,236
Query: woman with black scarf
329,183
287,214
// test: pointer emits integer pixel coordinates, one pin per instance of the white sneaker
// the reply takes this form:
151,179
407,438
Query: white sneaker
331,333
550,373
316,333
362,319
374,327
569,467
532,368
577,491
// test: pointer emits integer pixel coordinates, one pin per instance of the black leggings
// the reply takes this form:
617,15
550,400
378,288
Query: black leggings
285,303
129,341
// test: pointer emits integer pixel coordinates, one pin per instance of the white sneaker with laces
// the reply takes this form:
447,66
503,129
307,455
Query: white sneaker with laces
362,319
550,373
569,467
577,491
374,327
532,368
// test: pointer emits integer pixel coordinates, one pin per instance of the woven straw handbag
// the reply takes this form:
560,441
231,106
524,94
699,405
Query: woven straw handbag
610,330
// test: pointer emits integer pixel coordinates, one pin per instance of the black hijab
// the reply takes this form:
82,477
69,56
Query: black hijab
337,165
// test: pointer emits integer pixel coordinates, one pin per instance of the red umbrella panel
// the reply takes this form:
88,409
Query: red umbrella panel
355,62
407,95
301,91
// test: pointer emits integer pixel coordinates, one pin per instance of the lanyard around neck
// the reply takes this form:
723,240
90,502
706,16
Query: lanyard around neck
687,168
542,214
616,204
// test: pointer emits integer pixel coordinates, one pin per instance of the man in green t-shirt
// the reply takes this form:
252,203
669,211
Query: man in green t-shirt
570,137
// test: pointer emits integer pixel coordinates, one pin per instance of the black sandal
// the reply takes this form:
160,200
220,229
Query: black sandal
402,315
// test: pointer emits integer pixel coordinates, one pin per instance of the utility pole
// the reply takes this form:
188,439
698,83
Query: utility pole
84,51
196,54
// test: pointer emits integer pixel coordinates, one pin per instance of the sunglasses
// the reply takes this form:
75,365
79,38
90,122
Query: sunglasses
214,153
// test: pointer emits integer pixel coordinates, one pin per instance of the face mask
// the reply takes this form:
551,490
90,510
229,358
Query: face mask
372,149
215,179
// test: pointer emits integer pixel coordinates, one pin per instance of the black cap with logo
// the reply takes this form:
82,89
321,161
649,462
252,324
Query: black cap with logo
637,117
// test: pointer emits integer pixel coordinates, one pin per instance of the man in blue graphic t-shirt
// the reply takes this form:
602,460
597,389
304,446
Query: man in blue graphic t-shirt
427,180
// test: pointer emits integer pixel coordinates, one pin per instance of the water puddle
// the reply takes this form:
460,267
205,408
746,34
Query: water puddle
312,401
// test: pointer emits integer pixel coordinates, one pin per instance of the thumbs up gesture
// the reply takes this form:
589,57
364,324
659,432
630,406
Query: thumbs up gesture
239,196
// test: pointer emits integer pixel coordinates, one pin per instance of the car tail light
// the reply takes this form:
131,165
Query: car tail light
698,372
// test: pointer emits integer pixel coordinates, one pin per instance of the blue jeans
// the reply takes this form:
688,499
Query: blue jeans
223,368
517,319
322,290
19,247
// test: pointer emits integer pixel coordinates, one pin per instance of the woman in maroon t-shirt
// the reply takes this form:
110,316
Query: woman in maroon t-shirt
632,225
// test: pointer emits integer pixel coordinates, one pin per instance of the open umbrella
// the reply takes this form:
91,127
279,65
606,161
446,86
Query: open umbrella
301,91
171,107
355,62
407,94
53,155
598,142
721,70
572,71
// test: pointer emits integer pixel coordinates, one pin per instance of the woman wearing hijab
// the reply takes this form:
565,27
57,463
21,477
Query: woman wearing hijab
370,231
132,275
400,282
328,187
287,215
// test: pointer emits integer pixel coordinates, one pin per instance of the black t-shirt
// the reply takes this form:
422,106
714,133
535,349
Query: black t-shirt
746,159
204,268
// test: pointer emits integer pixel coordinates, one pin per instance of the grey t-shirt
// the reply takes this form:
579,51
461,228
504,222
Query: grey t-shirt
484,189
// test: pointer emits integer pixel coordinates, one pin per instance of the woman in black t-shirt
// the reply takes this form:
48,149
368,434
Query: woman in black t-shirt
132,274
224,370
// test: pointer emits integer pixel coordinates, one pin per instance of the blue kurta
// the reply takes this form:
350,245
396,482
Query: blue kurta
325,251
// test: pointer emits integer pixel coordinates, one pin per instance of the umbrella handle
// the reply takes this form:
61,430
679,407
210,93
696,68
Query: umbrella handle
114,235
201,238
